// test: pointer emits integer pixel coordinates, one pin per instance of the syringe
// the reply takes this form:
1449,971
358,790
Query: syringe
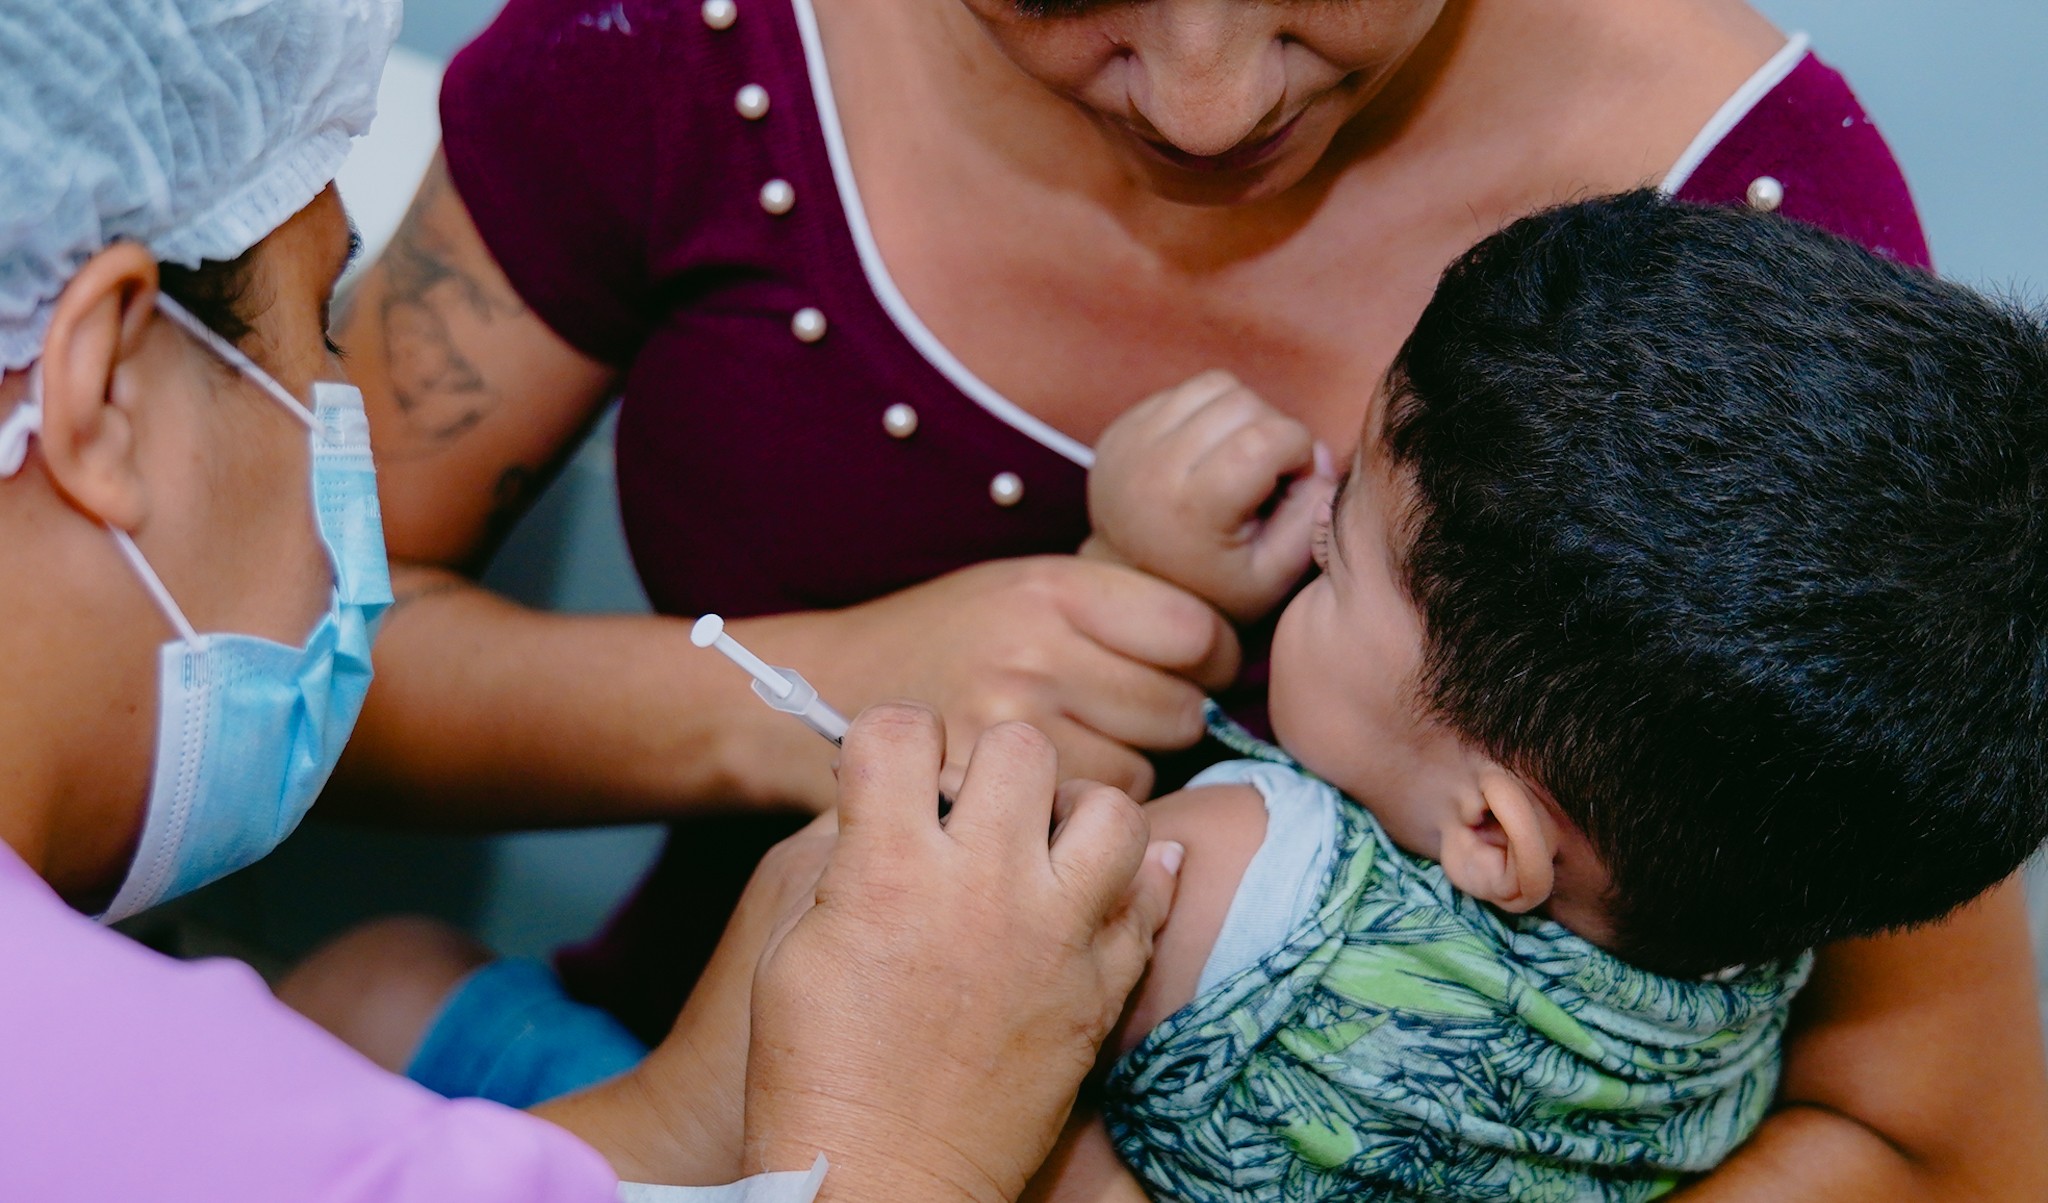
782,688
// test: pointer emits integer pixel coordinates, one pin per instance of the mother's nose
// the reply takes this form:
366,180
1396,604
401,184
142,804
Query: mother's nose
1206,76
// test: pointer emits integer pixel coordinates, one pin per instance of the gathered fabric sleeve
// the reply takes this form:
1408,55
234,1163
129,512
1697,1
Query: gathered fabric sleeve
557,124
1807,149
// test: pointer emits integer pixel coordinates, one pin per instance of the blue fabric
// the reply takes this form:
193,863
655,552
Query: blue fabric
510,1034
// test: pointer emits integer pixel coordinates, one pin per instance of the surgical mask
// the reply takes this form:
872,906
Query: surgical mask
249,730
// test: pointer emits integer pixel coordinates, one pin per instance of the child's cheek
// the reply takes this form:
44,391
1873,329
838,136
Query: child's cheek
1293,689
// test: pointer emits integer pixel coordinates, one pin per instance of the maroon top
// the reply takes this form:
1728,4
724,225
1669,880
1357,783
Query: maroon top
606,161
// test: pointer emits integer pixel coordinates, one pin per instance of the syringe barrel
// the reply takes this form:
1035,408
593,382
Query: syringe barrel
803,702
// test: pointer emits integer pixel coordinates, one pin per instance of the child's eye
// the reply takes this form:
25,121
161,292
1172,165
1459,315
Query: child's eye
1319,542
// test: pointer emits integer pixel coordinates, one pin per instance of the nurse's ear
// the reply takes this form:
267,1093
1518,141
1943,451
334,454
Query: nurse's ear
90,384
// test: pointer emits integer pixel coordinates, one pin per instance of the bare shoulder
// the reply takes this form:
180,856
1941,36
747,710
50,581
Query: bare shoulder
1618,90
1695,36
1691,55
1735,24
1221,826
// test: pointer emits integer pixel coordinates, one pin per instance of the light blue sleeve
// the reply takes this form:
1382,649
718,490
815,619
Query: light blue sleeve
1282,884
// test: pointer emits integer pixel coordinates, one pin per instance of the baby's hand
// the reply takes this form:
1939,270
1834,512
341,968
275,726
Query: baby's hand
1208,487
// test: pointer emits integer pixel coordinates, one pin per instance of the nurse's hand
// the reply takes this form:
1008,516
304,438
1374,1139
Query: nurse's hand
928,1022
1208,486
1109,663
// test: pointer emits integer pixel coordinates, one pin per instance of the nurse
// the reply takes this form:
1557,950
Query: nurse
191,574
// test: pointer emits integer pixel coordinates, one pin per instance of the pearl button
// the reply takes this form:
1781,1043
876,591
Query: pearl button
720,14
752,102
1006,490
808,325
900,421
1766,194
778,197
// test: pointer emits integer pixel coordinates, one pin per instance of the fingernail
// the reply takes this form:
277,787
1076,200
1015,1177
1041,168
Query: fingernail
1172,855
1326,460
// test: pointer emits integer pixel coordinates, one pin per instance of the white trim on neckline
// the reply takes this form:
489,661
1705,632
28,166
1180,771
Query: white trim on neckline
883,284
1731,113
979,391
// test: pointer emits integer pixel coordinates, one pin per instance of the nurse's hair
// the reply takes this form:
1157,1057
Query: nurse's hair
1733,537
220,293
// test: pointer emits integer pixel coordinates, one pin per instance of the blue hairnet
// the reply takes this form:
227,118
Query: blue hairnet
191,127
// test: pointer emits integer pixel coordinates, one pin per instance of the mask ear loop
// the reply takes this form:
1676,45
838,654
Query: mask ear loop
26,421
23,424
155,584
249,368
237,360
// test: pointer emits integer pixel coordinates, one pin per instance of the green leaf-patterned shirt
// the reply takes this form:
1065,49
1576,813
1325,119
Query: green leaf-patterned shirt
1408,1042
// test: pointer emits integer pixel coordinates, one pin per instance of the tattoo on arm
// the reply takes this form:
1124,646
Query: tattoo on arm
428,301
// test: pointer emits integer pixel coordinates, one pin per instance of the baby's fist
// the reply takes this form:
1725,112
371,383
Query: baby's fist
1207,486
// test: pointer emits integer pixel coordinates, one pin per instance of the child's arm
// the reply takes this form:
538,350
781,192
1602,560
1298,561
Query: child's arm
1221,827
1084,1168
1207,486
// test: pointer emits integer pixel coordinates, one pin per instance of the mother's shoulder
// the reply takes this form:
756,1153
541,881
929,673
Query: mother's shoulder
1805,147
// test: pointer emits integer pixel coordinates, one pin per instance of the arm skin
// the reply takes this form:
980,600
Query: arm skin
1914,1070
487,715
1221,827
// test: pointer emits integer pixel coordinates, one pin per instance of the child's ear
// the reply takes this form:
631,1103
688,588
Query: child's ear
88,438
1502,845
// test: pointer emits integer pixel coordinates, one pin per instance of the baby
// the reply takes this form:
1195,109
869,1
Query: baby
1685,607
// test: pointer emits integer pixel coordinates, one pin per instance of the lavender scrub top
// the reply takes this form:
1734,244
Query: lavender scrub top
127,1076
673,197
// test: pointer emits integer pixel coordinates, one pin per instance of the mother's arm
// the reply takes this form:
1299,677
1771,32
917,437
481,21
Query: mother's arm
1914,1072
484,712
488,714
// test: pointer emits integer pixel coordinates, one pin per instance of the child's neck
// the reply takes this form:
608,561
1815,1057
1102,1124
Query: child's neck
1580,887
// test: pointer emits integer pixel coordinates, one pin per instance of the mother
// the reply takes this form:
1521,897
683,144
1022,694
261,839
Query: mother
872,277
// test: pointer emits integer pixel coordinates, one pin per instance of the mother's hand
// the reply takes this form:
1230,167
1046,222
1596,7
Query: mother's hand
1107,662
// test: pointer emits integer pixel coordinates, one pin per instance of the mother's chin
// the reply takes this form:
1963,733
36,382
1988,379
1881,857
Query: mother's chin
1242,176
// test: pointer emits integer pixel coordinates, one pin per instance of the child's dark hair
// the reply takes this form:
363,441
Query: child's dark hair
1734,538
